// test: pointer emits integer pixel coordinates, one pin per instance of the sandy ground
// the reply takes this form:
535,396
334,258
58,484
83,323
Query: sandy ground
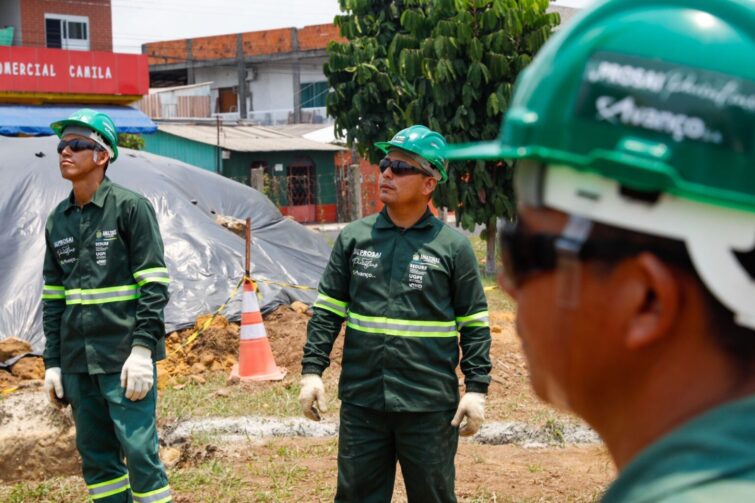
37,442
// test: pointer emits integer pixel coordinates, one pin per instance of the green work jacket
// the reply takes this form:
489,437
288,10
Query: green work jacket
410,299
710,459
106,284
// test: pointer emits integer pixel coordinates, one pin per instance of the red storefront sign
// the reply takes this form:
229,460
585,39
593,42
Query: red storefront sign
33,70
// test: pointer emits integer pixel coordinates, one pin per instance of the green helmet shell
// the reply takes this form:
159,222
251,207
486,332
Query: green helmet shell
96,121
422,141
658,95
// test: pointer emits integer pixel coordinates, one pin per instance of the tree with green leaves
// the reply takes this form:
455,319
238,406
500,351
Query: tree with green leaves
128,140
449,64
369,97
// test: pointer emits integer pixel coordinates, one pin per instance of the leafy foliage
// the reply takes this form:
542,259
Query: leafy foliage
448,64
133,141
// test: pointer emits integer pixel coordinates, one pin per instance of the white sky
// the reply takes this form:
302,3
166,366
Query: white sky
138,21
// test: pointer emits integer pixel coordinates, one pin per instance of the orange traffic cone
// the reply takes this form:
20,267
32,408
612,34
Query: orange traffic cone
256,362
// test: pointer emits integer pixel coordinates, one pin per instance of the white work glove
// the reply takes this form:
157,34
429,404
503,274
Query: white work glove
471,406
54,386
312,393
137,374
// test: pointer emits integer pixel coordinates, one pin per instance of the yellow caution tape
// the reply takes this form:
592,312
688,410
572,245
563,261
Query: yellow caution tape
289,285
235,291
209,321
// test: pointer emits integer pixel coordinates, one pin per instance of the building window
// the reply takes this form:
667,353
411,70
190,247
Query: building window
313,94
67,32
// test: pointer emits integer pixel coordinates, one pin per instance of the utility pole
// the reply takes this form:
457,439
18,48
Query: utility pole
190,79
242,76
296,69
219,151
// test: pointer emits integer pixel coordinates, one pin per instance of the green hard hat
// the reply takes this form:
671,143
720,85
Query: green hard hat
641,115
658,95
98,122
422,141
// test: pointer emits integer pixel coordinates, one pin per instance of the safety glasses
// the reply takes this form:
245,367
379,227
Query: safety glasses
400,168
525,254
77,145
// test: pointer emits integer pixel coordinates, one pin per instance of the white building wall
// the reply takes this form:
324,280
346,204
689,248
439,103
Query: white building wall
271,88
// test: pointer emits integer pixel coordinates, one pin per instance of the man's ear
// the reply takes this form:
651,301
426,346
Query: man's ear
649,298
429,187
101,157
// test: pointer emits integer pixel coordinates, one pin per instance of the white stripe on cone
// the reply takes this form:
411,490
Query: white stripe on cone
249,302
250,332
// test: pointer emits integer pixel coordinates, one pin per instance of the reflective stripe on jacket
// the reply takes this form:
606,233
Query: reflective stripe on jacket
413,303
106,283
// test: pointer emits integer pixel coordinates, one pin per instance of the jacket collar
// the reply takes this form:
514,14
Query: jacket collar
385,222
99,196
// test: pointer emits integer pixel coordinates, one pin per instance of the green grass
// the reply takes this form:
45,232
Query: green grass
52,490
211,481
195,400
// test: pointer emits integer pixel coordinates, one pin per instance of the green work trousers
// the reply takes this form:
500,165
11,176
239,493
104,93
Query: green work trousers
371,441
109,428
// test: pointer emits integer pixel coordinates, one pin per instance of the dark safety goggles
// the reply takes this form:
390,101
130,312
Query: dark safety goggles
400,168
77,145
525,254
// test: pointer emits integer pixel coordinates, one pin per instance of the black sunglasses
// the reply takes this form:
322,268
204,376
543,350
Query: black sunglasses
525,254
77,145
399,168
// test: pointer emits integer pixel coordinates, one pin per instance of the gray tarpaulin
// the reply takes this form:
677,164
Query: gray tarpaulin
205,260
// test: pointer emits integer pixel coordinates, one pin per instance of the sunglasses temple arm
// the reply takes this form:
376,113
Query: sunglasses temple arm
568,248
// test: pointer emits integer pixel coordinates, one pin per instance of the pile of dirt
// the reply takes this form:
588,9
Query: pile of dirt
287,331
27,368
216,348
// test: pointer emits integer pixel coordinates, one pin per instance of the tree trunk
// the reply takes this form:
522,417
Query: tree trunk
490,261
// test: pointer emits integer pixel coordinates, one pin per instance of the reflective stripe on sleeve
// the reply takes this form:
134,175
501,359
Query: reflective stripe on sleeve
154,275
161,495
401,328
480,319
108,488
335,306
53,292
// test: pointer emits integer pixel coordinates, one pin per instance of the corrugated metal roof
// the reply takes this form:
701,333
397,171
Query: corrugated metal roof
245,138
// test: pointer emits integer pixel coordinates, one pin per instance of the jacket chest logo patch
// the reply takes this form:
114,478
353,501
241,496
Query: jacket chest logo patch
418,267
102,245
65,249
363,262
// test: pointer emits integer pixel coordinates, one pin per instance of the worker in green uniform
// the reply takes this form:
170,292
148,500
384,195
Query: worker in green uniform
106,286
408,288
633,258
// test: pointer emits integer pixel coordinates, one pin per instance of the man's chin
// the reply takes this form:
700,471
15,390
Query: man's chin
386,197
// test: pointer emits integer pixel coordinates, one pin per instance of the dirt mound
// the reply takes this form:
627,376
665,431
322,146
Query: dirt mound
11,347
29,368
287,331
7,380
36,440
216,348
